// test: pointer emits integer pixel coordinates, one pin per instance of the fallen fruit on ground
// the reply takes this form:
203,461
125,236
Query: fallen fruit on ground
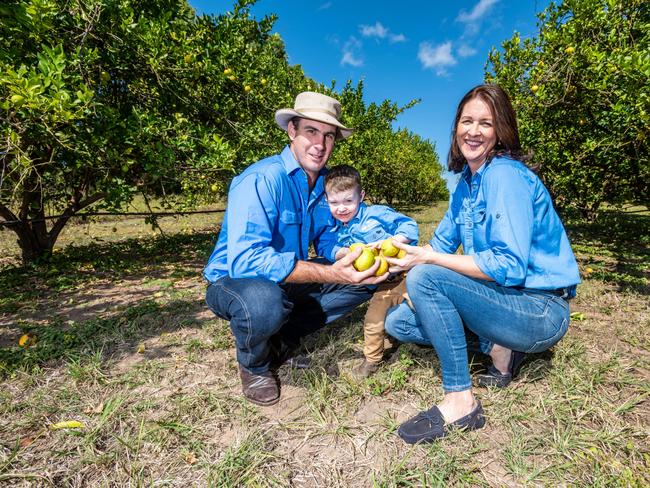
67,424
27,340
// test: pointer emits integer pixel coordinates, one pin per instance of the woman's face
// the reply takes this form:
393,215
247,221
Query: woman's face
475,134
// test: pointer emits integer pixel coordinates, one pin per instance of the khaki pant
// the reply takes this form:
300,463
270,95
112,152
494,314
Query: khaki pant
374,334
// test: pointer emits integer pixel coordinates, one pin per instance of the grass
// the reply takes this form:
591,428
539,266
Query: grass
125,345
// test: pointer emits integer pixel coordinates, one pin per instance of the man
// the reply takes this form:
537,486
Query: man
260,278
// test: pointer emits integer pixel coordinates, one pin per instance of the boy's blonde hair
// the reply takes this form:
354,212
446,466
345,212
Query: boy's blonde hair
342,178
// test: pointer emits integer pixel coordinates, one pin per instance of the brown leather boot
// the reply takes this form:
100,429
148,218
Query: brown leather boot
261,389
365,369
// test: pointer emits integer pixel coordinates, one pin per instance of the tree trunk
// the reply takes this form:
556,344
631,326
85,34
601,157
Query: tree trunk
34,240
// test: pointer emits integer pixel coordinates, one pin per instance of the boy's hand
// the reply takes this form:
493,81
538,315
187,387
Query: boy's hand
374,245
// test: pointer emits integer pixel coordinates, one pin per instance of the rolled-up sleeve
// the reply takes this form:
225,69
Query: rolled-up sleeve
406,227
509,223
251,224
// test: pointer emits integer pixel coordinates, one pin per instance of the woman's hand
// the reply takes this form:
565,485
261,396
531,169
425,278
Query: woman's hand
414,255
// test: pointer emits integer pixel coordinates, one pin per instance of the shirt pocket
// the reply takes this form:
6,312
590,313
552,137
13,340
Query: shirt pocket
372,231
471,217
472,228
288,217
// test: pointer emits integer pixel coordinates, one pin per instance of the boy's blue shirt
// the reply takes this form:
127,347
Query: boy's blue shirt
373,223
504,217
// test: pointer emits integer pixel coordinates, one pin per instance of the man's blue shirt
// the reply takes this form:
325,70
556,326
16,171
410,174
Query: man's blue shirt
373,223
504,217
271,219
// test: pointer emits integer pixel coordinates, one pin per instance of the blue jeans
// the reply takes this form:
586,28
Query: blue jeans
449,306
261,311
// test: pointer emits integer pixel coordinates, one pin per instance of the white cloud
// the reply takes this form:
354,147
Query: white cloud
465,51
381,32
473,18
376,30
325,6
479,10
438,58
351,53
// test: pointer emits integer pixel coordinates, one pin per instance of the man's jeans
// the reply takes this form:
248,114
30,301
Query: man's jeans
259,309
448,305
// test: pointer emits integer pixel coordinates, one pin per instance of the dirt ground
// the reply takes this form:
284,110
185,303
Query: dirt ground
125,345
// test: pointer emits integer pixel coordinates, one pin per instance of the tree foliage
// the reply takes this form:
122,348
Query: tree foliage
581,92
105,99
395,165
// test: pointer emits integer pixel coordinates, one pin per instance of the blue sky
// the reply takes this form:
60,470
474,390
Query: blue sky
431,50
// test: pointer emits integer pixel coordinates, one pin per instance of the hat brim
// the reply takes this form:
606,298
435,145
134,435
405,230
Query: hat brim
284,115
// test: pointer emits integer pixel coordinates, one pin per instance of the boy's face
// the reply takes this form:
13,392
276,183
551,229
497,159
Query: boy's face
344,205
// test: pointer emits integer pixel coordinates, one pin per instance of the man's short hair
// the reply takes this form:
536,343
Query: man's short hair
342,178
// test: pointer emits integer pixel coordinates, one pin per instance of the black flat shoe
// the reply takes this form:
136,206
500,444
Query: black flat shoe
494,377
430,425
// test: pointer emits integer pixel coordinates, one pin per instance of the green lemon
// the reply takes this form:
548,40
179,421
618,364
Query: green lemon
388,249
383,266
365,260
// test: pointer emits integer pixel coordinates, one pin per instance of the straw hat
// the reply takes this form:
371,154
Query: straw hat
314,106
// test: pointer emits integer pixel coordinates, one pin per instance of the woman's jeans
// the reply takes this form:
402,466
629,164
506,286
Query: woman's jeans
263,313
448,307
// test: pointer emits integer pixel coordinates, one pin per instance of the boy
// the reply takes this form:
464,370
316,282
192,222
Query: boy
357,222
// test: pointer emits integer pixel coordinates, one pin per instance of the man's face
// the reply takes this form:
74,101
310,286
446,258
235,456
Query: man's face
312,143
344,205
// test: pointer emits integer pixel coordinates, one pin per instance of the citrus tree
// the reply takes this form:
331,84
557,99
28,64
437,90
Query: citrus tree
582,96
103,99
395,165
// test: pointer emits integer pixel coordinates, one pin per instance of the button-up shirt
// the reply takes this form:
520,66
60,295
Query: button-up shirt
504,217
373,223
271,219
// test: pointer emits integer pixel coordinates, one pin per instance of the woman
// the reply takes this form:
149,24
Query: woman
510,287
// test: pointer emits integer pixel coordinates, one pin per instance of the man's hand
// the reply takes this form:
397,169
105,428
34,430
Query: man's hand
344,269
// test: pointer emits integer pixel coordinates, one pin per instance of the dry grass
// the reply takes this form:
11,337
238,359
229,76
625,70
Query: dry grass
126,346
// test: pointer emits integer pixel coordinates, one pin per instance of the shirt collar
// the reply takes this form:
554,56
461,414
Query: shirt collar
467,173
289,161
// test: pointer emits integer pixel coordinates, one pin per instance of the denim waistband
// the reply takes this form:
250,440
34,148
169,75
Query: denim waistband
558,292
